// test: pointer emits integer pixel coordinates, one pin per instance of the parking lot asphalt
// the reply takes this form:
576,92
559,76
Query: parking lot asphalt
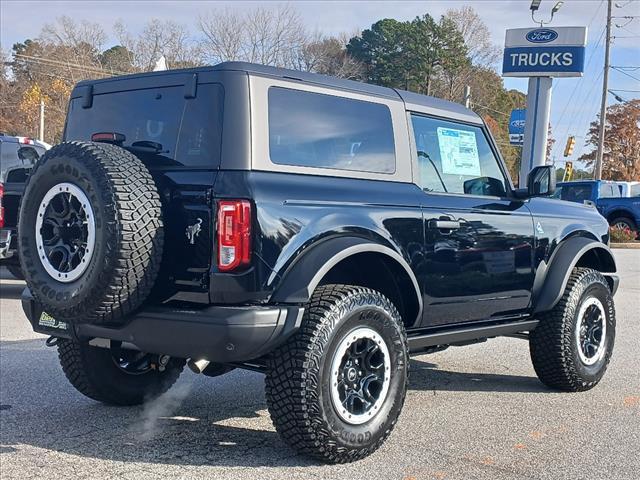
471,412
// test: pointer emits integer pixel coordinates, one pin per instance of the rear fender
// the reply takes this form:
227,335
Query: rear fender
302,278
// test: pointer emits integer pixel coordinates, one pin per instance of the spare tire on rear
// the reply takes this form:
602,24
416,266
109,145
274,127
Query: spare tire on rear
90,232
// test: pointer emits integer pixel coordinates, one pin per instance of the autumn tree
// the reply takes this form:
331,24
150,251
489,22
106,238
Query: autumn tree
328,56
158,38
273,36
621,145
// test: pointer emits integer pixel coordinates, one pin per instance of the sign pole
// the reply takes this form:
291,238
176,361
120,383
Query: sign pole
534,149
541,54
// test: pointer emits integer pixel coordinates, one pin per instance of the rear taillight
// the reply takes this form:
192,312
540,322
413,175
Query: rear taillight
1,207
108,137
234,234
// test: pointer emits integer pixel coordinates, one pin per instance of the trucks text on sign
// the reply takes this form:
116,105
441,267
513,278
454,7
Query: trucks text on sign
544,52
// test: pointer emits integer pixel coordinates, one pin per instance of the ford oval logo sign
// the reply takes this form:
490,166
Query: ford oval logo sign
542,35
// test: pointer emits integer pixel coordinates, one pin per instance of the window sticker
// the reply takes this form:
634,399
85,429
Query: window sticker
458,152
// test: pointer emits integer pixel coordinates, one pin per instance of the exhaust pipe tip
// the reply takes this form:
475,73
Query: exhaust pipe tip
198,366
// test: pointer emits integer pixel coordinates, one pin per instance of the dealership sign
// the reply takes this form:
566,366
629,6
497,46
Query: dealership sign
516,126
544,52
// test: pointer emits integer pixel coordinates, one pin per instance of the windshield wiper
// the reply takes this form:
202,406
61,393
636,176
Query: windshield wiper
146,146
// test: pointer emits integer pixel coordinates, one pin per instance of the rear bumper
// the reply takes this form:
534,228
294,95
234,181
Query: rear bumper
219,334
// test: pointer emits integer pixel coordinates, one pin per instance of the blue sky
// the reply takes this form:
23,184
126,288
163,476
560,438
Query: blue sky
575,101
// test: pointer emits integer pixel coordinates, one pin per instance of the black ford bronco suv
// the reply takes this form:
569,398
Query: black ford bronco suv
314,229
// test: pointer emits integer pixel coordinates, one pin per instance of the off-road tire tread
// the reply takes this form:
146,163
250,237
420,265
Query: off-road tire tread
291,385
550,342
76,366
134,215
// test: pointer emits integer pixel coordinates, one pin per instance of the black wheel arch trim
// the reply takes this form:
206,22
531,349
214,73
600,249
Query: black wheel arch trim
551,279
302,278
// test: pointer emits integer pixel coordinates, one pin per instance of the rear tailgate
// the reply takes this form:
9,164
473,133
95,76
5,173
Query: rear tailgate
173,124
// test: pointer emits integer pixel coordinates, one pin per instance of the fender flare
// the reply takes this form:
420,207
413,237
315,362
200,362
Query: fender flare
301,279
552,279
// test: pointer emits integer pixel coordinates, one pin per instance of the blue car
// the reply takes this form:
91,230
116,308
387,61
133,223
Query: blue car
621,212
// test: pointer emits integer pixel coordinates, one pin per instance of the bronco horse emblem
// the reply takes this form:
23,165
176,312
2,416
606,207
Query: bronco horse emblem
192,231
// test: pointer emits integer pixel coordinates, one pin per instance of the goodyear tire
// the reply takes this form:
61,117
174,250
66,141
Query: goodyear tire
90,232
117,377
336,388
572,345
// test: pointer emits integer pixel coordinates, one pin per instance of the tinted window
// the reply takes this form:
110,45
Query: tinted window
574,193
159,124
315,130
456,158
28,154
609,190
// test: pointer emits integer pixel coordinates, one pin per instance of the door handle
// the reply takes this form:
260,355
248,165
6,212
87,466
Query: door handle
444,224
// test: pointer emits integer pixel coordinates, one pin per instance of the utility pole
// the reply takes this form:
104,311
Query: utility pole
41,134
467,96
597,171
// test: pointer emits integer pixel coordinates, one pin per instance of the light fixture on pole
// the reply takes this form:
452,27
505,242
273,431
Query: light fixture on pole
535,5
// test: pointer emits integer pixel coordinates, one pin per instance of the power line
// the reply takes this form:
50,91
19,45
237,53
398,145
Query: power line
581,81
586,114
627,68
625,73
61,63
489,108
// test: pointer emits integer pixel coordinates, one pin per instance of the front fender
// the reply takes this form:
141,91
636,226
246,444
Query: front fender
553,277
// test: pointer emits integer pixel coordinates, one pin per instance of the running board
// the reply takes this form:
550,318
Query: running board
419,341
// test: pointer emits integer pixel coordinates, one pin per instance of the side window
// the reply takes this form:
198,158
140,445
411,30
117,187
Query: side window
576,193
28,154
609,190
456,158
325,131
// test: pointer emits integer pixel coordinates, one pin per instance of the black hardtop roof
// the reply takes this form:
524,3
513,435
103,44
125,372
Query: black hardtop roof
432,104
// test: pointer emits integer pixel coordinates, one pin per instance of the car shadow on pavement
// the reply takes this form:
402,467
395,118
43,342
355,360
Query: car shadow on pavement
219,421
428,376
201,421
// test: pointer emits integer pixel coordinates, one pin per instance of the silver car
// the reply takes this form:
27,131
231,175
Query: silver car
18,155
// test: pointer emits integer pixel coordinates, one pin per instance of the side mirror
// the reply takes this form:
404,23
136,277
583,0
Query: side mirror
541,181
484,186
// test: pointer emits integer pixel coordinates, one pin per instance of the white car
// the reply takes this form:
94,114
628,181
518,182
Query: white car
629,189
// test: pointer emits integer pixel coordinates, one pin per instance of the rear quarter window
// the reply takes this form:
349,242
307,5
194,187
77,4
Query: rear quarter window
324,131
187,131
575,193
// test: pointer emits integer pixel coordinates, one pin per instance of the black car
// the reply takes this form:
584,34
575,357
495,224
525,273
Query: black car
314,229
